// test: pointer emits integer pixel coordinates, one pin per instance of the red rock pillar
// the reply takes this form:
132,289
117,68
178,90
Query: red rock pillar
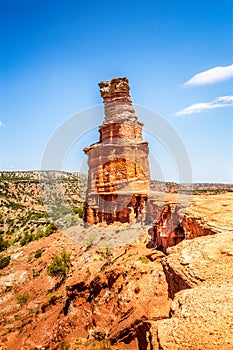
118,164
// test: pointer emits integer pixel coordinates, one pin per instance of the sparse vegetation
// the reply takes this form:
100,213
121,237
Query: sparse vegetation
39,235
79,210
28,237
4,244
144,259
106,252
91,239
22,299
38,253
22,213
59,265
51,228
35,273
94,344
4,261
64,345
106,255
52,297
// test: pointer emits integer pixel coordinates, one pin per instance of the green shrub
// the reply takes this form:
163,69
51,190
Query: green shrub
3,243
38,253
79,211
22,299
39,235
51,228
4,261
17,239
106,255
144,259
28,237
53,297
14,205
59,265
64,345
105,344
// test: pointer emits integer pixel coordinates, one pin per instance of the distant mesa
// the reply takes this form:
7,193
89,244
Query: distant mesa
118,176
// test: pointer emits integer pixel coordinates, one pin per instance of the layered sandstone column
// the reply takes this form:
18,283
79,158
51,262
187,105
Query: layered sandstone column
118,176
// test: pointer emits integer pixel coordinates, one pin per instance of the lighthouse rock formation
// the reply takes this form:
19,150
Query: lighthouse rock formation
118,176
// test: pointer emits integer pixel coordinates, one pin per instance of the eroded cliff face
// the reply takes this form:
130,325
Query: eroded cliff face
199,273
171,226
118,176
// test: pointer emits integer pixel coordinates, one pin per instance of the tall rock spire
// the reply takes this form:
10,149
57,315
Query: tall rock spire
117,100
118,176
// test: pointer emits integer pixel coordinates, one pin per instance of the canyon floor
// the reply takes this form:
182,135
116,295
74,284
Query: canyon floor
123,296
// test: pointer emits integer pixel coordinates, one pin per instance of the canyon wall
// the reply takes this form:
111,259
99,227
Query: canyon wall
199,276
170,226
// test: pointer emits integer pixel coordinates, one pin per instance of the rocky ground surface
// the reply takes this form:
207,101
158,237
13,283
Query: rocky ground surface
200,281
109,299
212,213
213,210
126,298
118,296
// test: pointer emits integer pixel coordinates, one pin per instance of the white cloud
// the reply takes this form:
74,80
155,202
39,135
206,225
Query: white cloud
211,76
1,124
219,102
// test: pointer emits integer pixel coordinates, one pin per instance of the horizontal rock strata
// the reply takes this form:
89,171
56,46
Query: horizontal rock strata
118,177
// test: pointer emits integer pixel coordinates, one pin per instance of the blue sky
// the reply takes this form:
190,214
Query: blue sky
54,53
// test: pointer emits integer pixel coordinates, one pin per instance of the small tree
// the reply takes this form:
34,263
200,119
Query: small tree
59,265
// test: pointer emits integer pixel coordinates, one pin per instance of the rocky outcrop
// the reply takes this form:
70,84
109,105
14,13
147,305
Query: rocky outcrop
206,258
114,296
120,297
172,225
118,177
201,318
167,230
119,307
199,275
